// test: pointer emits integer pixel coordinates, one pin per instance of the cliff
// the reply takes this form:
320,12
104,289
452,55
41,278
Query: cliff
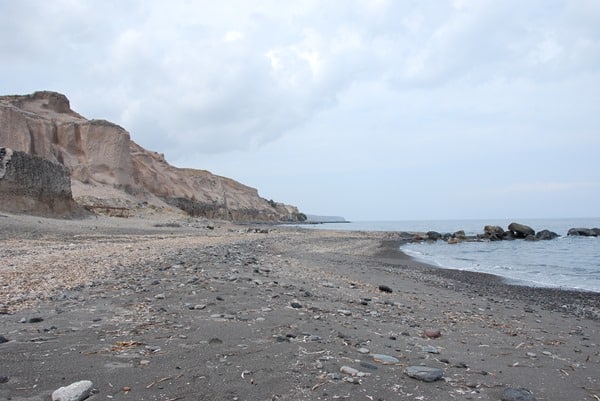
33,185
109,170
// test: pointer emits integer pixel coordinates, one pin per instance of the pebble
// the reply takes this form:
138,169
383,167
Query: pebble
424,373
363,350
3,339
430,350
385,359
349,370
296,305
517,394
344,312
385,288
77,391
4,379
159,296
432,333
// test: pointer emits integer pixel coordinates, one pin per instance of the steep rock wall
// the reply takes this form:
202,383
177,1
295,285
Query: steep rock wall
30,184
101,154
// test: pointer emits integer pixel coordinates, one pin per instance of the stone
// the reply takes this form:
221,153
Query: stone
296,305
520,230
545,235
349,370
493,232
4,379
430,350
433,235
432,333
517,394
584,232
77,391
424,373
363,350
385,288
3,339
385,359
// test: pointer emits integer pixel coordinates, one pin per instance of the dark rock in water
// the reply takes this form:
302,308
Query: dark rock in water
459,235
433,235
493,233
584,232
424,373
520,230
530,238
545,235
385,288
517,394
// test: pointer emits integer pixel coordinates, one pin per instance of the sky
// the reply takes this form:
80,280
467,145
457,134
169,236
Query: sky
368,109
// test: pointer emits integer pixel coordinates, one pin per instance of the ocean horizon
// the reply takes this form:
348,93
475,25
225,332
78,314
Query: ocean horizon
567,262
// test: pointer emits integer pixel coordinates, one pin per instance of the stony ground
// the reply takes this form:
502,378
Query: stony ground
211,311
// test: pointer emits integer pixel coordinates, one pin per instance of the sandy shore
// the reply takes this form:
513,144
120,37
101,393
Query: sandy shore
198,310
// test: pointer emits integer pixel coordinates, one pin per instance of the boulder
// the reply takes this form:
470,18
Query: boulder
493,230
584,232
545,235
520,230
460,235
433,235
517,394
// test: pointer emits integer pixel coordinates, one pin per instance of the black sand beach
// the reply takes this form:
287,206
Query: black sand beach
180,311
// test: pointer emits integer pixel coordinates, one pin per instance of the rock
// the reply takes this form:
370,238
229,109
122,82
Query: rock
3,339
296,305
35,320
77,391
520,230
385,359
430,350
545,235
459,235
349,371
433,235
432,333
493,233
4,379
385,288
584,232
363,350
517,394
424,373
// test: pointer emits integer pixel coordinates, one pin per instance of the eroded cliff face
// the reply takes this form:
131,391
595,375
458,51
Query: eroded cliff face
30,184
107,167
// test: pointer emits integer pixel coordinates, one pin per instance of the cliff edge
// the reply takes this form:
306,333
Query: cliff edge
110,172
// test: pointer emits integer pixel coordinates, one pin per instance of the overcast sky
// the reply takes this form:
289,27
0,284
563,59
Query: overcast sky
370,109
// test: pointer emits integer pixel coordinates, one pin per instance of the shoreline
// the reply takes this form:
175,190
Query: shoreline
555,299
161,310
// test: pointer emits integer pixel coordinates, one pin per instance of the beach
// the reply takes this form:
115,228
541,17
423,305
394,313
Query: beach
184,309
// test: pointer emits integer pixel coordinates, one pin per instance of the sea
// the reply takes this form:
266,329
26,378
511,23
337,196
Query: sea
567,262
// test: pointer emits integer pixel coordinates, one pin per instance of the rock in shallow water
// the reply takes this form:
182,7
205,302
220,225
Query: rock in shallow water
517,394
77,391
424,373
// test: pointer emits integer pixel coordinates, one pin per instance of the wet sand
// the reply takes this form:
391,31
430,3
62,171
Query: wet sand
199,310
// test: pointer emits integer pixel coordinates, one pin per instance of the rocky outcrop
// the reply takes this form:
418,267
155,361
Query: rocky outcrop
30,184
108,169
545,235
584,232
520,230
